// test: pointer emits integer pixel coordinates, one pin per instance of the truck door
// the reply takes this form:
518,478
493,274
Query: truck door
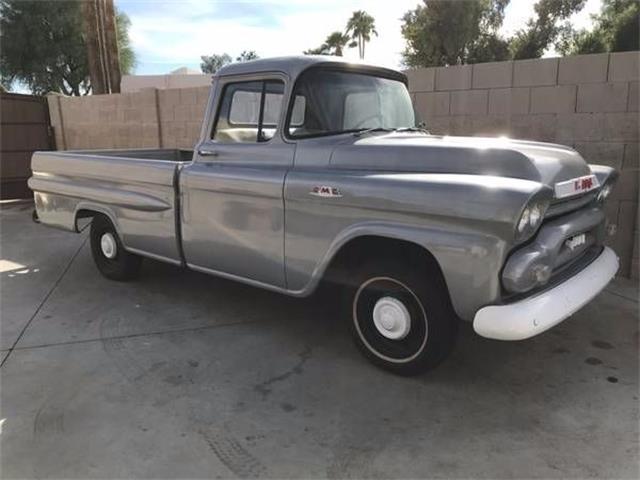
232,194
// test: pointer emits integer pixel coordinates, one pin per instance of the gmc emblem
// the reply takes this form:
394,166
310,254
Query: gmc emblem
325,191
576,186
583,184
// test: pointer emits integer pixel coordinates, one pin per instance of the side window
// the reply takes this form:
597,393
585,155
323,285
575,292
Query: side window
297,114
249,112
297,120
245,107
273,100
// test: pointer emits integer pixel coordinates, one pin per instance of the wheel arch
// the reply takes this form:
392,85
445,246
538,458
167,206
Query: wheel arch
468,262
89,210
376,246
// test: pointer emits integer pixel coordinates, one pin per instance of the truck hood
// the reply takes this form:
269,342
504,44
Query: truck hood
546,163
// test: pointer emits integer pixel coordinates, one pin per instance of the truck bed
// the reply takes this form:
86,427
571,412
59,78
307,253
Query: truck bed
135,189
164,154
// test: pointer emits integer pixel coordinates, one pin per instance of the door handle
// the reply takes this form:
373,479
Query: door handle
206,152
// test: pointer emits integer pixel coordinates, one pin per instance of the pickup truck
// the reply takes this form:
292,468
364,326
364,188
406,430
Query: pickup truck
313,169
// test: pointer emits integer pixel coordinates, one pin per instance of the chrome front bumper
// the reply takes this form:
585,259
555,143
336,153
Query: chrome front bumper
534,315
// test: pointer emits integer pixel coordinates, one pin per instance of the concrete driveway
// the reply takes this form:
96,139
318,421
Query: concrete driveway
184,375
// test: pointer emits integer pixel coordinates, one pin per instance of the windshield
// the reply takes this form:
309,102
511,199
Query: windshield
329,102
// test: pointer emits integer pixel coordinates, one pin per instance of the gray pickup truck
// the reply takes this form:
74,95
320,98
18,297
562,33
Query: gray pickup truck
313,169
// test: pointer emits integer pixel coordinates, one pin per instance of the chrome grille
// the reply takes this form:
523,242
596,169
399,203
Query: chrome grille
562,206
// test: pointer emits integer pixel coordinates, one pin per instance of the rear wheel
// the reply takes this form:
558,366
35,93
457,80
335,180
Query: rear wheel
401,317
109,255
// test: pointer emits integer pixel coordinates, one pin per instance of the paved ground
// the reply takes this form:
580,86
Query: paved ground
184,375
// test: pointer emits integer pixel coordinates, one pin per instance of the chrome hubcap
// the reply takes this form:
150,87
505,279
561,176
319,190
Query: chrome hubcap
108,245
391,318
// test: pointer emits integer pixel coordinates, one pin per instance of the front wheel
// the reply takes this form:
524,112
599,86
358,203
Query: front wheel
109,255
401,317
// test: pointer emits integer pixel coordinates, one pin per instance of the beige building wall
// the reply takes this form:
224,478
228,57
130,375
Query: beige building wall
134,83
589,102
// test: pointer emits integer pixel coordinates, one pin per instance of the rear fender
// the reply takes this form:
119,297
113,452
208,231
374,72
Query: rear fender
97,208
55,210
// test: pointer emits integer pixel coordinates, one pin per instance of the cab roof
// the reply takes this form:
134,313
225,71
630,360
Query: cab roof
293,66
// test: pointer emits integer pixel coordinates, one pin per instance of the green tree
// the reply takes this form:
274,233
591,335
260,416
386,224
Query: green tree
213,63
620,22
333,45
442,32
126,55
571,42
336,42
43,46
615,29
544,29
488,48
321,50
360,27
247,55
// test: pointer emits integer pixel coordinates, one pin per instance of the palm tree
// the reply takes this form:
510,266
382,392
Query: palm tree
333,45
360,27
336,42
321,50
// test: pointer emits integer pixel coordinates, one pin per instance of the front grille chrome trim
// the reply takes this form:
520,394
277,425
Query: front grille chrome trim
567,205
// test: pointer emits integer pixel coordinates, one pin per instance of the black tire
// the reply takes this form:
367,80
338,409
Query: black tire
423,294
123,265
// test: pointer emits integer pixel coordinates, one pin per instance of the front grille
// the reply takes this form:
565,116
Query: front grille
549,249
567,255
560,274
557,209
563,206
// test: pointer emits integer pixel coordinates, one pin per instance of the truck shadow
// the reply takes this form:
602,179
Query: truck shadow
257,379
321,319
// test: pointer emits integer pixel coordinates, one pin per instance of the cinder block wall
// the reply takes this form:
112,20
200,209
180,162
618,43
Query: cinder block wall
180,112
150,118
589,102
127,120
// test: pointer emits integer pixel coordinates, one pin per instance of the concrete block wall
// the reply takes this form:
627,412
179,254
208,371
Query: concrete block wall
180,115
589,102
127,120
149,118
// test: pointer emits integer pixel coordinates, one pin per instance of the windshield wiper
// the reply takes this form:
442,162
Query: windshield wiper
359,133
413,129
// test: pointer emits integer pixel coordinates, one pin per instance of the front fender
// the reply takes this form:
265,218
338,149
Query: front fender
470,262
467,222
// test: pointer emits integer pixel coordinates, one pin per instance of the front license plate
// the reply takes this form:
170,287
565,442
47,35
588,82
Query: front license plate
576,186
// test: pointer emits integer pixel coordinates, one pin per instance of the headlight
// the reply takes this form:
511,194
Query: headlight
524,220
604,192
530,220
535,215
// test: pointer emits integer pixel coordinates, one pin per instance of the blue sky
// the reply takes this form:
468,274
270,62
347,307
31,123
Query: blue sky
168,34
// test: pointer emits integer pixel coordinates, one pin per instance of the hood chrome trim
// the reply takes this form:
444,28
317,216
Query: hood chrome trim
576,186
